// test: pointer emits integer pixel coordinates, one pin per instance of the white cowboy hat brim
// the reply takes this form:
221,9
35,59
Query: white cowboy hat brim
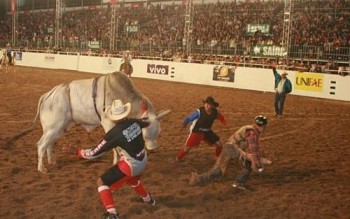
117,117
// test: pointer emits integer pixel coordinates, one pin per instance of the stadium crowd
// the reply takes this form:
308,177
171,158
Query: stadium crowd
219,34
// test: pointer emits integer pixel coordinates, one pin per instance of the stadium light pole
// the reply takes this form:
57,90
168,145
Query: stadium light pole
14,4
188,25
58,23
287,20
113,27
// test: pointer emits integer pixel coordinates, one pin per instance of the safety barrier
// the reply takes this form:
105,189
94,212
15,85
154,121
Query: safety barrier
330,86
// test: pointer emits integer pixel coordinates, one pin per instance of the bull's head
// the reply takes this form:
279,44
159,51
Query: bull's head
151,133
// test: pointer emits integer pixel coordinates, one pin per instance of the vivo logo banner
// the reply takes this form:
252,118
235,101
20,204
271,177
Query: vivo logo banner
158,69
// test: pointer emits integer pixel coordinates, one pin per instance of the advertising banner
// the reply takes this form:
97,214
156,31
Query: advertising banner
94,44
224,73
252,28
18,55
158,69
268,50
309,82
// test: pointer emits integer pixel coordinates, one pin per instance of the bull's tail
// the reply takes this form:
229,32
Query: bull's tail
32,125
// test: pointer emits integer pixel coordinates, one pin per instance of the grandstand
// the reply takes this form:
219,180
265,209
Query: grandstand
220,31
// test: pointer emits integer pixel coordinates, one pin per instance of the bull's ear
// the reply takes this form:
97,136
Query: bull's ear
162,114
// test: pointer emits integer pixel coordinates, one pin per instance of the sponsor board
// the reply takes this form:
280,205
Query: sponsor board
309,82
49,58
107,63
94,44
263,28
17,55
158,69
224,73
268,50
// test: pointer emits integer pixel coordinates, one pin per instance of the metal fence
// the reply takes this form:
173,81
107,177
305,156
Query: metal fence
150,47
296,52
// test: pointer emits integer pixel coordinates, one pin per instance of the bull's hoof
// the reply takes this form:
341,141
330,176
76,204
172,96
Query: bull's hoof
52,162
194,179
42,170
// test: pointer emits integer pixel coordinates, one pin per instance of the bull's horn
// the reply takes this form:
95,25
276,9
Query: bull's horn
163,114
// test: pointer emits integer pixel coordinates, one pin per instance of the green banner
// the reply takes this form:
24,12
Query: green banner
268,50
264,28
94,44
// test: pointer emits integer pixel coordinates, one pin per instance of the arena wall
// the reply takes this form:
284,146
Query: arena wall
259,79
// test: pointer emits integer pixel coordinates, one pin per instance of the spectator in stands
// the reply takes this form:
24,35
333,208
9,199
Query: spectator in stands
177,57
343,71
224,30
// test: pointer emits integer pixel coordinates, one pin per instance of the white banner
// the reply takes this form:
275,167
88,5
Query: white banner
94,44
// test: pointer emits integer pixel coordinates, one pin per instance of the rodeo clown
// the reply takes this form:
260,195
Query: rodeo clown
126,136
201,128
237,146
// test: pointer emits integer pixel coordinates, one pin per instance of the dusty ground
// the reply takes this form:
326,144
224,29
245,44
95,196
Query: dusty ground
310,149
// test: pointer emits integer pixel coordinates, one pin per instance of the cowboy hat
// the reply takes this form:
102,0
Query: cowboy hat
284,73
210,100
118,110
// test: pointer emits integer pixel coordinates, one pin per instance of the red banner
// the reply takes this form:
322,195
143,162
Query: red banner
113,2
13,5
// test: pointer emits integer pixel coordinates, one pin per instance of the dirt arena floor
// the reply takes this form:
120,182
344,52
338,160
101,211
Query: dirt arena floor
309,147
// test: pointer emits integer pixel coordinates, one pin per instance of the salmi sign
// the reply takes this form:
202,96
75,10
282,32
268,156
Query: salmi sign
268,50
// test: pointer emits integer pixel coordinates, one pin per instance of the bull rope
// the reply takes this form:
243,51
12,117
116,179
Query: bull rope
104,93
94,95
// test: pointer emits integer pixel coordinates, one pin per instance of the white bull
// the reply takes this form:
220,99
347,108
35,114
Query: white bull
83,102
